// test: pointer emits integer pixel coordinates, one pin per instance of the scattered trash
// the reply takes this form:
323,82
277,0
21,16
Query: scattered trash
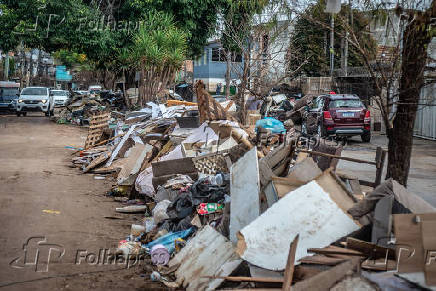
212,198
159,255
131,209
209,208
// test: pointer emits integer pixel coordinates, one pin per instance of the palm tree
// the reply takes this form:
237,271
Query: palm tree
159,51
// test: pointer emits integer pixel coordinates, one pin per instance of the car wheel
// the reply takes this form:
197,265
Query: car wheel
24,113
18,114
366,137
47,113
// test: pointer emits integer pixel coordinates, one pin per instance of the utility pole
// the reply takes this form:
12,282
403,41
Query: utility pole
6,74
332,46
349,18
333,7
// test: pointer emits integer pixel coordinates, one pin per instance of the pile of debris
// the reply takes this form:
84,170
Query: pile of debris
222,209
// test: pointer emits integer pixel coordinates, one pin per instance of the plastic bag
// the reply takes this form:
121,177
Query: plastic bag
276,126
168,239
160,211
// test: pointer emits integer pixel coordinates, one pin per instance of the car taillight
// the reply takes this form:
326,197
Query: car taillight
367,117
327,116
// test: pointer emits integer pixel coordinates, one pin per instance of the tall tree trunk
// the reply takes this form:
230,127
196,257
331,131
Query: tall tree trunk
142,93
243,88
228,68
414,57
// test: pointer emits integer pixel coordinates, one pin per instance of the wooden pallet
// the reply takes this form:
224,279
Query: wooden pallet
97,124
212,163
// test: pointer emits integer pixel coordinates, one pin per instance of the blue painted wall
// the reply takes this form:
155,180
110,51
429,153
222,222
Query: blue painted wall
205,68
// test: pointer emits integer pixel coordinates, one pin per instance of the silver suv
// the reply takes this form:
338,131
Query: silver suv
35,99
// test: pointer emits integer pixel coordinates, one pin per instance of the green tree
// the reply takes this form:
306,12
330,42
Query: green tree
196,17
312,39
159,49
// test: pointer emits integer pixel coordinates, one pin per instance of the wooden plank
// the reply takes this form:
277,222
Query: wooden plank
410,250
327,279
170,167
366,183
370,250
289,270
248,279
379,265
132,164
355,187
321,260
338,157
335,250
97,161
428,233
244,189
380,160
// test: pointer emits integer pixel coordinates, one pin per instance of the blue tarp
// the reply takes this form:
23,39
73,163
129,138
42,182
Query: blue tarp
276,126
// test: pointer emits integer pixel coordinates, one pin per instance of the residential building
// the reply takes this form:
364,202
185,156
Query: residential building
211,66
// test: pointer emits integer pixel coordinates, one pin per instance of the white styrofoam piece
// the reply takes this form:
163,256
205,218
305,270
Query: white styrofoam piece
244,190
308,211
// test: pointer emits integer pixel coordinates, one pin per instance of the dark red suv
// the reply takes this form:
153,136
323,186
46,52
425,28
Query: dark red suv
338,114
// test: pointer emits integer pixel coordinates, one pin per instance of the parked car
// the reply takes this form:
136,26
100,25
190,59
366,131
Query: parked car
35,99
60,97
81,92
94,89
220,98
338,114
9,92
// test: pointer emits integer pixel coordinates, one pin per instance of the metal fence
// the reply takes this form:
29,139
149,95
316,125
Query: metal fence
425,123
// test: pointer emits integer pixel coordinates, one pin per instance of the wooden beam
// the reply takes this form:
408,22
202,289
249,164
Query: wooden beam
289,270
338,157
248,279
380,162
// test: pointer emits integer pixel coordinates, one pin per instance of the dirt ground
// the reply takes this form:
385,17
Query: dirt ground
51,212
48,208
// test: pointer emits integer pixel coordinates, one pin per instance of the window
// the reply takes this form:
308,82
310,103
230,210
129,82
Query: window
237,58
9,92
59,93
34,91
345,103
218,55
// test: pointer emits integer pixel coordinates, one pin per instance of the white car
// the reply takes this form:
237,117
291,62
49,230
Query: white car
35,99
60,97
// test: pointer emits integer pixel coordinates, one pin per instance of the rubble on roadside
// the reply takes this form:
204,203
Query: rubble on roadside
222,206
